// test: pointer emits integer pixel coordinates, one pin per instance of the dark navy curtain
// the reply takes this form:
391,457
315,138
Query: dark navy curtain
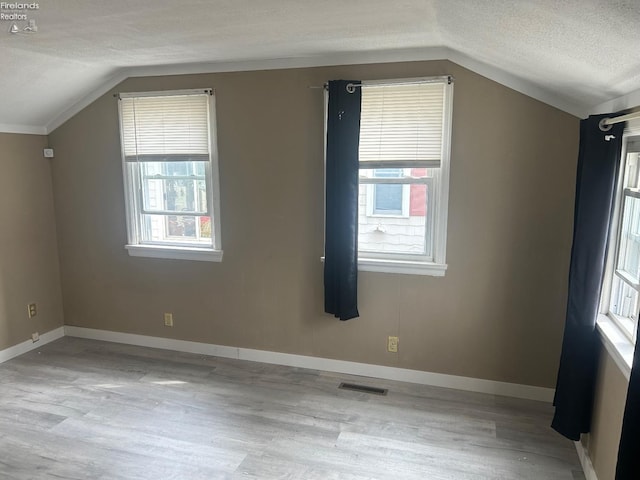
598,163
341,222
629,452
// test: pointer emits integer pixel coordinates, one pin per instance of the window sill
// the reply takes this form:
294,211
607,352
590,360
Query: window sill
617,344
401,266
405,267
176,253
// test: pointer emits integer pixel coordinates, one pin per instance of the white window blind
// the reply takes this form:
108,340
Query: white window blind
165,128
402,124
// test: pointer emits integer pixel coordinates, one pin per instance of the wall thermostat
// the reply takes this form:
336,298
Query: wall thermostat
48,153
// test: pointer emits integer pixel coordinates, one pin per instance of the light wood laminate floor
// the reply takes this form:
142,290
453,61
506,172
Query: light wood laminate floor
82,409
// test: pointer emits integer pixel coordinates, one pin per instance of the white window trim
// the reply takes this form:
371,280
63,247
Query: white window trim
178,252
405,267
617,343
438,266
613,336
175,253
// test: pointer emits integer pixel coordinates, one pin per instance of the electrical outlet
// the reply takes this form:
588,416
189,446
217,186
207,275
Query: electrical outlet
35,337
392,344
168,319
32,310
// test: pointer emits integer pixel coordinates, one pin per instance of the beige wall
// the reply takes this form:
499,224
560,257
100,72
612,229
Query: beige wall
29,269
608,409
497,314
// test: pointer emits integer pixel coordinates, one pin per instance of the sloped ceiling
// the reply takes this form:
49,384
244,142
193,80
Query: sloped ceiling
578,55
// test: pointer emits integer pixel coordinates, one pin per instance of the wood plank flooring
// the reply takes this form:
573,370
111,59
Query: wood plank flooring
82,409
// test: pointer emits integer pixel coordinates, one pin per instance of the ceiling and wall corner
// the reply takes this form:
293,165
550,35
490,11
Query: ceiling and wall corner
577,55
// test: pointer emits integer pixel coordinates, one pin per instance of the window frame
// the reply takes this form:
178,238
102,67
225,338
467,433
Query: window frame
615,333
435,264
134,194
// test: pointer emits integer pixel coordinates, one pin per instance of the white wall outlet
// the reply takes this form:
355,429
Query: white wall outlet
392,344
168,319
35,336
32,310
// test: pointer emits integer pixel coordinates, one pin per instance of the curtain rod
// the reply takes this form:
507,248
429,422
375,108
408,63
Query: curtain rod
606,123
400,81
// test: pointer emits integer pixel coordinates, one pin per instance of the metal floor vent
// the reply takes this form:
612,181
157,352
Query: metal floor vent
363,388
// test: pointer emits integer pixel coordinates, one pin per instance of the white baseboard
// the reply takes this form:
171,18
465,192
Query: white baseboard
585,461
28,345
317,363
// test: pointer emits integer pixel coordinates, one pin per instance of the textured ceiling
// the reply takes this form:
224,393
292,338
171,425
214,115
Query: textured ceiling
574,54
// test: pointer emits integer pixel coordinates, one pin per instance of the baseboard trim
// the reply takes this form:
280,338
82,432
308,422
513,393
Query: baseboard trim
585,461
317,363
28,345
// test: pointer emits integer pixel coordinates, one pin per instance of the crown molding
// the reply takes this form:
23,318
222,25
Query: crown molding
357,58
353,58
24,129
119,76
518,84
630,100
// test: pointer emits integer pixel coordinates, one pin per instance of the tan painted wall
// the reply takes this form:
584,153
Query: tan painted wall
498,314
29,270
608,409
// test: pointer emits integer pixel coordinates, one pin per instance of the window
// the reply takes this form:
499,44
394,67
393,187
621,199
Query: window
404,175
170,170
622,283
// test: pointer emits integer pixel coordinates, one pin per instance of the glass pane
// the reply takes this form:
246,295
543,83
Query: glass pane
629,252
187,192
173,169
178,168
624,304
177,195
177,228
205,227
409,234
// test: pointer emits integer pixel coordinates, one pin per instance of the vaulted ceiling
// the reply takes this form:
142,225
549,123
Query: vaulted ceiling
581,56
